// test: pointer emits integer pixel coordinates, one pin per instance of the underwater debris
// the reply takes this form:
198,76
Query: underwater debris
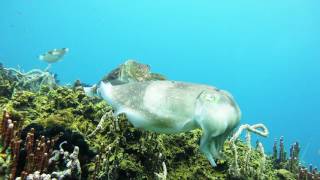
54,55
33,80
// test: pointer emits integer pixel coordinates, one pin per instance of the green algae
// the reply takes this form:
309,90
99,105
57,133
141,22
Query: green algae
285,174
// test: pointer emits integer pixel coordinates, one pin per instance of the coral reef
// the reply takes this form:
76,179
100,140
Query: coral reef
246,170
291,164
53,130
28,154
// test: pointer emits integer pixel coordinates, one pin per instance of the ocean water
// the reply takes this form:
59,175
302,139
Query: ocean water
266,53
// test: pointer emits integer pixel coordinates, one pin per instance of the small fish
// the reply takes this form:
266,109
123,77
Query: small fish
54,55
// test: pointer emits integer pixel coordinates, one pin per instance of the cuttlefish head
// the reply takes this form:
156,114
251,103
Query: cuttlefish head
217,114
218,108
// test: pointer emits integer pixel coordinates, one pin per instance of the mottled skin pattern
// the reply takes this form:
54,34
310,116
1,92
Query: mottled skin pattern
174,107
131,71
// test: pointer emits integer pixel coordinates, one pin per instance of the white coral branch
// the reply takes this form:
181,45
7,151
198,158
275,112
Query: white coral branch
254,128
163,175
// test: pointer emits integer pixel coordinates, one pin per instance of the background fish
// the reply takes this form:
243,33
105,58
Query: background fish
54,55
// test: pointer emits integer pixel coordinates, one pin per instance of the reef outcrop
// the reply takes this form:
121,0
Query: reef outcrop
55,123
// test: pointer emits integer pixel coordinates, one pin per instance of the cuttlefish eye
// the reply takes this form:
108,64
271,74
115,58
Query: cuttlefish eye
212,98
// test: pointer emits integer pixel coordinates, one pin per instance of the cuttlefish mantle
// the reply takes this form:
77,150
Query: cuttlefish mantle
174,107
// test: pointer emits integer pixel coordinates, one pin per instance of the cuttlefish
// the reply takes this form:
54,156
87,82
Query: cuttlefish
174,107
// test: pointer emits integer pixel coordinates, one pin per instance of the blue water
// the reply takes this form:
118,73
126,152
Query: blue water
266,53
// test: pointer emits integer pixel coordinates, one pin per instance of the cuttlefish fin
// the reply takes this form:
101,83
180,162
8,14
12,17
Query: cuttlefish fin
117,82
91,91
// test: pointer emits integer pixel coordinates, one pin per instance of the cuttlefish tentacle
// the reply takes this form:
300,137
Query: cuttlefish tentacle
205,149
